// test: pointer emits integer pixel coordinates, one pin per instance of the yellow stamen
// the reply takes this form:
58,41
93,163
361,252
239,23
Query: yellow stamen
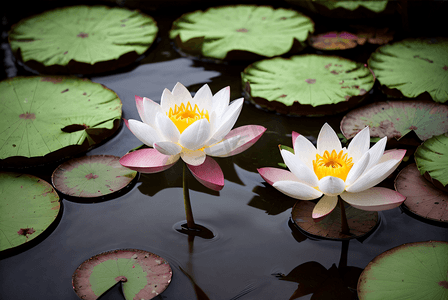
183,116
334,164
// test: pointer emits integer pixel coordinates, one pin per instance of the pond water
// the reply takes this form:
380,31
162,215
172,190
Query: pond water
253,240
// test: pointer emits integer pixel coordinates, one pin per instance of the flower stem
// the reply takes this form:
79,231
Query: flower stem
344,224
188,211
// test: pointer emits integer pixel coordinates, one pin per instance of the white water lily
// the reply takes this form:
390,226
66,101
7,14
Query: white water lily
331,171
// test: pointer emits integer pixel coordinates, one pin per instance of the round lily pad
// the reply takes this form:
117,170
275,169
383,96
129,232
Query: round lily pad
241,32
143,275
410,271
28,206
91,176
432,157
308,85
422,197
395,119
412,67
82,39
334,41
48,118
359,221
376,6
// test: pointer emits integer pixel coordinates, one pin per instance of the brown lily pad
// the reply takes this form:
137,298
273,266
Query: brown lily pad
359,221
92,176
422,197
334,41
143,275
372,35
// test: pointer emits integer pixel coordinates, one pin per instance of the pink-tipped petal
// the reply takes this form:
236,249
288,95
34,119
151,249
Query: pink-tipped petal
271,175
297,190
328,140
148,161
249,135
294,137
396,154
140,108
325,206
208,174
223,148
374,199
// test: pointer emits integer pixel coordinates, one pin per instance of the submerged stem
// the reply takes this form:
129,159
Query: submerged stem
188,211
344,224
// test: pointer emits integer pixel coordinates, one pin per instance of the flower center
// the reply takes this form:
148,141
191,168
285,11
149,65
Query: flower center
183,115
334,164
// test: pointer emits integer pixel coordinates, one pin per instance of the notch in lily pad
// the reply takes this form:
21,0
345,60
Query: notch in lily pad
411,271
28,204
92,176
143,275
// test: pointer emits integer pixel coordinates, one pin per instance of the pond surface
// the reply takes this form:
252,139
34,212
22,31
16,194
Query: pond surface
254,240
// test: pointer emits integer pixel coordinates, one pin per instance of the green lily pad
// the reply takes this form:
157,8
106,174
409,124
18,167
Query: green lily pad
432,157
234,32
410,271
143,275
395,119
376,5
308,85
359,221
44,119
412,67
82,39
28,206
92,176
422,197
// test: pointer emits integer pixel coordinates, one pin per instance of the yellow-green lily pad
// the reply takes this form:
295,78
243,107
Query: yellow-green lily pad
28,206
241,31
307,85
44,119
82,39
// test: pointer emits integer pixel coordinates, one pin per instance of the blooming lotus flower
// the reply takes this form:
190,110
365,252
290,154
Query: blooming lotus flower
331,171
191,128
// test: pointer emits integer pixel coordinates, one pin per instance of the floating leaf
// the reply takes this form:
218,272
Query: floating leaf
28,206
47,118
359,221
143,274
375,5
307,84
413,67
422,197
432,157
334,40
82,39
231,32
92,176
373,35
410,271
395,119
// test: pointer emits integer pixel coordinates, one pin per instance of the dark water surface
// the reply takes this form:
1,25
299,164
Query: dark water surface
249,219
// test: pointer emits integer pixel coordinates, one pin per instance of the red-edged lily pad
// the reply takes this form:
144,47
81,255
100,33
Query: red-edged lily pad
395,119
359,221
411,271
28,206
92,176
422,197
143,275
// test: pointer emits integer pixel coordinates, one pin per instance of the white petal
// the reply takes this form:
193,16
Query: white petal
305,150
167,148
203,98
194,158
298,168
374,199
145,133
224,147
167,127
297,190
181,94
167,101
220,101
357,169
373,176
328,140
331,186
325,206
359,145
225,124
376,152
151,109
195,135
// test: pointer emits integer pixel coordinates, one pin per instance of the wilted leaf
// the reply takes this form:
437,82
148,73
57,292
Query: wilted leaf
432,157
28,206
307,84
